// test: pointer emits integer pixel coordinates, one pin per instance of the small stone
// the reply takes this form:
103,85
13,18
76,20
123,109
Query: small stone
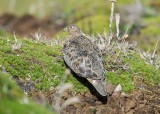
118,88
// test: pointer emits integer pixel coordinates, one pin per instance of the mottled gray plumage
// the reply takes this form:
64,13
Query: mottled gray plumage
84,58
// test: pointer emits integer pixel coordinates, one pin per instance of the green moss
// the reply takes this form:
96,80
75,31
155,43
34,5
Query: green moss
141,68
137,67
44,63
125,79
36,61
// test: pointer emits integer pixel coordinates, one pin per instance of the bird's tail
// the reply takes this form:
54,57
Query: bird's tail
100,86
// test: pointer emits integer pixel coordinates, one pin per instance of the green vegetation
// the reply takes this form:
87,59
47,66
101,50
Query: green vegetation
36,61
43,63
13,100
140,68
131,66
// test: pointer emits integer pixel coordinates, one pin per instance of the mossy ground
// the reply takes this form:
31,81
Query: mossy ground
124,68
44,63
36,61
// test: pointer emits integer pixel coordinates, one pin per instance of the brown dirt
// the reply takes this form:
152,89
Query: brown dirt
28,24
138,102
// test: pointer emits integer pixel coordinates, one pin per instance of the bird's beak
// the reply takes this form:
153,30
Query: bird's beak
65,29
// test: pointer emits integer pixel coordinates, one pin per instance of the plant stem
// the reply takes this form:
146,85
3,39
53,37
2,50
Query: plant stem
111,20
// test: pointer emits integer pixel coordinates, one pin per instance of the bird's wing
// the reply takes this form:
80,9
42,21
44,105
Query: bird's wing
87,63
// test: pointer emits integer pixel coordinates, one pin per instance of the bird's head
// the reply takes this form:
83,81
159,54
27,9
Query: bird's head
73,30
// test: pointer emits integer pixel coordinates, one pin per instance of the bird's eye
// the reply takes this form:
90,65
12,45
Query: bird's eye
72,27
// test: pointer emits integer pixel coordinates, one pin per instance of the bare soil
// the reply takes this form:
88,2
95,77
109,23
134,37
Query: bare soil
140,101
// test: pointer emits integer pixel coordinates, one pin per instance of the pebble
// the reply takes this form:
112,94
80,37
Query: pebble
118,88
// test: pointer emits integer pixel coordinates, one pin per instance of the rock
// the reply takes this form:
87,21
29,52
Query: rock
130,104
118,88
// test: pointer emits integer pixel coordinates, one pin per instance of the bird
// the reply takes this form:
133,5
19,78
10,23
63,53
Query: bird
84,58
